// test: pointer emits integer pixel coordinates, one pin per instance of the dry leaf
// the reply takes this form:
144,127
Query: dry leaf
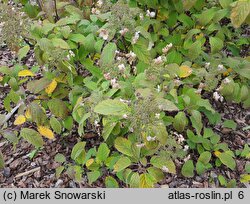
51,87
20,120
185,71
25,73
46,132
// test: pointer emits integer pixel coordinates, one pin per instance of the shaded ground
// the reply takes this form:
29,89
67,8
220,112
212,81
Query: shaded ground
18,163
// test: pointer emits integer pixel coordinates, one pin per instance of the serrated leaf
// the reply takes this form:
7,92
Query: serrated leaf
216,44
205,158
185,71
108,54
60,158
20,120
111,107
25,73
93,176
188,169
58,108
110,182
51,87
32,137
122,164
227,160
37,86
1,161
240,12
37,113
124,146
60,43
56,125
46,132
196,121
103,152
180,122
166,105
23,52
230,124
78,152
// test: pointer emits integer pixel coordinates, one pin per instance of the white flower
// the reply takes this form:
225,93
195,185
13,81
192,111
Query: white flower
96,123
220,67
186,147
72,54
167,48
158,88
165,169
125,116
114,84
99,3
158,60
141,16
150,14
95,11
207,65
121,67
149,138
157,115
104,34
123,31
140,145
136,37
150,45
187,158
107,76
217,96
226,81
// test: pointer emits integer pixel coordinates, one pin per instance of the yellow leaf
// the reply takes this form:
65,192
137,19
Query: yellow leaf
89,162
226,73
217,153
28,114
185,71
51,87
1,78
20,120
46,132
25,73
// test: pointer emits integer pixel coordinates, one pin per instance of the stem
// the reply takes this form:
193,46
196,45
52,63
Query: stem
57,16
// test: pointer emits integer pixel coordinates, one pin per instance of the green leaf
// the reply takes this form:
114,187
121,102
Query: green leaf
122,164
196,121
142,52
124,146
78,152
60,158
56,125
188,169
200,168
58,108
240,12
225,3
59,170
77,37
1,161
108,55
160,162
23,52
205,158
230,124
216,44
32,137
37,86
110,182
134,180
188,4
103,152
111,107
93,176
166,105
227,160
60,43
180,122
156,173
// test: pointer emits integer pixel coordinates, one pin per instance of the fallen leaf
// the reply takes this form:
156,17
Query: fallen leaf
46,132
25,73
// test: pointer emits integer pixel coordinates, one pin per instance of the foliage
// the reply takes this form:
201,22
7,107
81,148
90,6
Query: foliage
138,76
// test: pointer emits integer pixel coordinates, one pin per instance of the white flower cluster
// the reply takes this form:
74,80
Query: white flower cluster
136,37
151,139
104,34
71,54
131,57
167,48
123,31
151,14
115,84
121,68
95,11
220,67
217,96
159,60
